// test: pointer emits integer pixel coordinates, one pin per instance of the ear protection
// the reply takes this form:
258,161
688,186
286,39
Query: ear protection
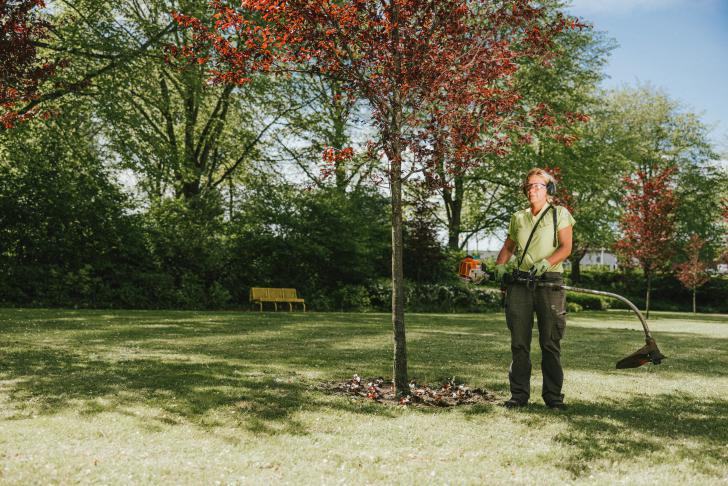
550,189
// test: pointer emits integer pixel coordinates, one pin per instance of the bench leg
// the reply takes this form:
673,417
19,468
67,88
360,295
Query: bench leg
290,307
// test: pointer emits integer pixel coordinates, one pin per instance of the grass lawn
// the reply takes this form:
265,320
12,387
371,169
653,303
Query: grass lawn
127,397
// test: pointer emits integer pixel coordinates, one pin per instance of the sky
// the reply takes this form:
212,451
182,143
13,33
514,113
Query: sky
679,46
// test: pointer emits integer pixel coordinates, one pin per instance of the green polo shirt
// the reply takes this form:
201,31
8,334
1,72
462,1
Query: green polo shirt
542,243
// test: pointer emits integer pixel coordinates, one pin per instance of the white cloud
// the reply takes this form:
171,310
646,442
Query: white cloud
586,7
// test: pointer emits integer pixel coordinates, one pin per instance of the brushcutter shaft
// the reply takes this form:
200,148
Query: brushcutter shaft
648,335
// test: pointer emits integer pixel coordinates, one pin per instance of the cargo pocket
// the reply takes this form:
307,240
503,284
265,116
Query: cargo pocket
558,314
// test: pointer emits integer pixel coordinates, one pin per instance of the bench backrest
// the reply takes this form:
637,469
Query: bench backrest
289,293
258,293
270,294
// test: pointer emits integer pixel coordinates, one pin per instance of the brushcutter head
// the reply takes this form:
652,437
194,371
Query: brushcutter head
649,353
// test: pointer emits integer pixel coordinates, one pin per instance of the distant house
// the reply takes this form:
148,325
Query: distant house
599,257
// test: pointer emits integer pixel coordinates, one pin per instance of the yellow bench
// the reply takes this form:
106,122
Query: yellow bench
259,295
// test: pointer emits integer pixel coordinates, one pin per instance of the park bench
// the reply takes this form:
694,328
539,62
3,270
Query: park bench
259,295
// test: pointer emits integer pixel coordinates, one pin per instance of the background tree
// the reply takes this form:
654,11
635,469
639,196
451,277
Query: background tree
648,223
424,256
330,122
694,272
481,201
591,170
652,132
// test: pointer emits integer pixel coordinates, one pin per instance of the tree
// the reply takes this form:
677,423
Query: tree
648,223
22,70
693,273
723,258
404,57
424,256
591,170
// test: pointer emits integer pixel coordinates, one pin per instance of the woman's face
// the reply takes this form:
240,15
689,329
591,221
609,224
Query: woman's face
536,190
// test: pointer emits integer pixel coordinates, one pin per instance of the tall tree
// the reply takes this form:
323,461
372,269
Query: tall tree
482,200
648,223
591,171
402,57
179,134
693,273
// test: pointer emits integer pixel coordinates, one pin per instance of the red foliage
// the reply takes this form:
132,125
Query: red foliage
21,70
563,196
424,67
648,220
334,158
693,273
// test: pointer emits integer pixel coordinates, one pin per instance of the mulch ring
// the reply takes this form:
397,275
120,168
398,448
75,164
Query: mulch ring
449,394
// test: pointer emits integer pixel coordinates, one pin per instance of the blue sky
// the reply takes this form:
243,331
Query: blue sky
679,46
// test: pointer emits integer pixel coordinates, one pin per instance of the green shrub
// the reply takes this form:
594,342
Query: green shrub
218,296
589,302
353,298
573,307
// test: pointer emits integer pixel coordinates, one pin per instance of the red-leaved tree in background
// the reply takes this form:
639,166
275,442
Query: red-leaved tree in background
21,69
647,223
693,273
424,67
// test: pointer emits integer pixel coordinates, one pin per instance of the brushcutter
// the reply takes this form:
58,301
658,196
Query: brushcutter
649,353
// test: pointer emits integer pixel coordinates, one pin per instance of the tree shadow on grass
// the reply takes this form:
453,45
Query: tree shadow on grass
51,381
642,427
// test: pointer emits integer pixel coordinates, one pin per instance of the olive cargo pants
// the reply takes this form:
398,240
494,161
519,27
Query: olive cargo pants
549,305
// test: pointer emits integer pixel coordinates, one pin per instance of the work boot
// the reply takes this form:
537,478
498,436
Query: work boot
513,403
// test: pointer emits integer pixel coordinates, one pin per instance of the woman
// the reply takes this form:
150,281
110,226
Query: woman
540,236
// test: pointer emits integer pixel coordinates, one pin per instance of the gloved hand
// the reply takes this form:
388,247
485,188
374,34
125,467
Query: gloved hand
499,271
541,267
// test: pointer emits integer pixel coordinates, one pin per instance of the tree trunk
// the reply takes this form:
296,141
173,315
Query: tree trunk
400,342
647,298
694,309
575,259
454,208
453,230
575,274
395,158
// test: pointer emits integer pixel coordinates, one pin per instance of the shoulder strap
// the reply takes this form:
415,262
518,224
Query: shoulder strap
533,230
